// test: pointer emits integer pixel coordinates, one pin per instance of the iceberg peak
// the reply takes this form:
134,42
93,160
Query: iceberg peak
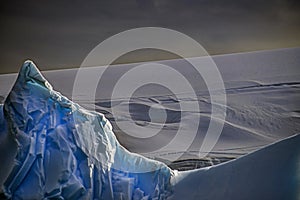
65,151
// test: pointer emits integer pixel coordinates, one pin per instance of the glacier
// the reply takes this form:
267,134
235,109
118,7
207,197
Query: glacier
64,151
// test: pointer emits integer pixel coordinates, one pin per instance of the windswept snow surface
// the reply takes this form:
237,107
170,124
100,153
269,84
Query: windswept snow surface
67,151
263,95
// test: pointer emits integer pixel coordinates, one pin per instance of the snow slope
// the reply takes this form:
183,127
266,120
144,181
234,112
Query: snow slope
270,173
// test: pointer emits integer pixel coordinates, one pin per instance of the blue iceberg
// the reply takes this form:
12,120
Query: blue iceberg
67,152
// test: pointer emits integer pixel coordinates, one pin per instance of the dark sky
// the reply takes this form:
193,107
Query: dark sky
59,34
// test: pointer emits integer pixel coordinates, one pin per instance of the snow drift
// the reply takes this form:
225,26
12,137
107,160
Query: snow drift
67,152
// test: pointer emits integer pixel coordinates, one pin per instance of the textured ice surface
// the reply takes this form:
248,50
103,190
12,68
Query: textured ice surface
67,152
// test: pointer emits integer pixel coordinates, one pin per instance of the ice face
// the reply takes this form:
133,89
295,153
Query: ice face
65,151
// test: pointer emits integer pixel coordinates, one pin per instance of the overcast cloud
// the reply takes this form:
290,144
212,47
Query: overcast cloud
59,34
